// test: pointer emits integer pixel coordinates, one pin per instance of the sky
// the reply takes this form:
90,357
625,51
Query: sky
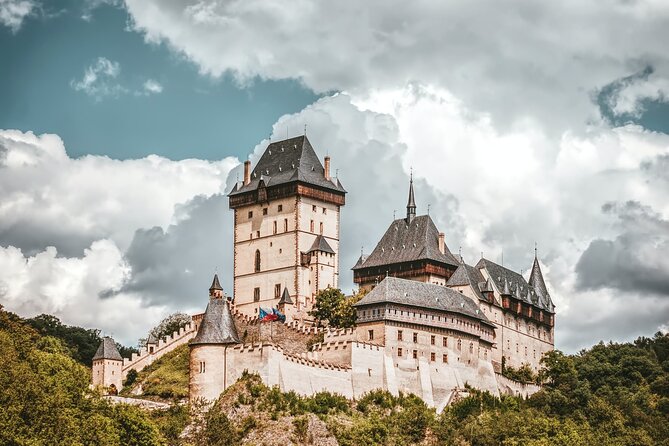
123,125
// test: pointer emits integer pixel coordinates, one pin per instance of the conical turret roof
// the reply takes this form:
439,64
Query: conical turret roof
215,284
107,350
285,298
537,280
217,325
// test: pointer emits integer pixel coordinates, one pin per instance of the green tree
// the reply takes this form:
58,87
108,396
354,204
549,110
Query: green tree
335,308
170,324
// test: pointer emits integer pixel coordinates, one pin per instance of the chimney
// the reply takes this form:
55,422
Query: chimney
441,242
247,172
327,168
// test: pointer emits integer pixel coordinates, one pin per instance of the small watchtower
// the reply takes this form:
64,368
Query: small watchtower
107,367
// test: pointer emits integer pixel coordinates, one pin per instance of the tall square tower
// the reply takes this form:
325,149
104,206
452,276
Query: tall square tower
286,230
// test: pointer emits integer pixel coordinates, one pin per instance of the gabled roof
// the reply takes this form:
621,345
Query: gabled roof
215,284
217,325
287,161
407,242
285,298
467,275
421,294
151,339
107,350
320,244
511,283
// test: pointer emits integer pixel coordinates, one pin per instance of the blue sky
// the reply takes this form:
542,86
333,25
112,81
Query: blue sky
194,115
523,122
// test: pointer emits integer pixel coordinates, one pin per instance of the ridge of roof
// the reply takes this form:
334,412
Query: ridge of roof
286,161
409,241
107,350
467,275
217,325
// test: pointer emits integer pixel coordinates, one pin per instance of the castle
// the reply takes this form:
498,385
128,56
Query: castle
430,324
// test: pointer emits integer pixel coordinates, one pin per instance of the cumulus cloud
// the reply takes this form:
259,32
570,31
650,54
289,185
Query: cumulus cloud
152,87
100,79
631,95
14,12
513,59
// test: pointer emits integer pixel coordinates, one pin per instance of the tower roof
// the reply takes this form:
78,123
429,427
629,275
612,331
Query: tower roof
151,339
285,297
467,275
407,242
217,326
411,203
107,350
320,244
215,284
537,282
288,161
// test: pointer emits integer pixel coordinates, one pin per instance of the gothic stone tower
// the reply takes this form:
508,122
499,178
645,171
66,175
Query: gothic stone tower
286,240
107,366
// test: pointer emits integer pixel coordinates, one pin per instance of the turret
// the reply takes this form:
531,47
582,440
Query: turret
209,373
215,290
107,367
537,283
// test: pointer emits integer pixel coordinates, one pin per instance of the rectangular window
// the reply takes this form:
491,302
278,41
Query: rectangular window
277,291
202,366
274,227
312,226
432,339
256,294
399,352
313,208
415,337
280,208
285,225
399,335
370,334
250,214
258,234
325,211
444,358
321,228
444,341
415,354
432,356
264,211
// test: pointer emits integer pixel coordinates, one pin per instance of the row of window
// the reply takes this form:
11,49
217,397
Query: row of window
380,312
275,228
277,292
508,347
280,209
433,355
433,340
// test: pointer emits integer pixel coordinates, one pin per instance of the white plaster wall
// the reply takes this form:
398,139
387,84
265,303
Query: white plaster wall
107,372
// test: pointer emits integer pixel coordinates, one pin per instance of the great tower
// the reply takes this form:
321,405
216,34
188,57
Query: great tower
286,229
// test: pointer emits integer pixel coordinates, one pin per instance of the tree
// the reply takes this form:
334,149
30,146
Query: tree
333,307
173,322
82,342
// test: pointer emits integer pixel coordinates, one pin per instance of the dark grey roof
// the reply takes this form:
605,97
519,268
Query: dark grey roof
215,284
423,295
360,261
107,350
537,281
407,242
290,160
468,275
285,298
151,339
217,325
510,282
320,244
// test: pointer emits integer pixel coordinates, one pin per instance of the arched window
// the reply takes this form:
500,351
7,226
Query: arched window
257,264
321,228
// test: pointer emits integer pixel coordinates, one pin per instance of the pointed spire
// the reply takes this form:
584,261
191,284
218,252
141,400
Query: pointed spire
215,290
411,204
506,290
537,279
285,298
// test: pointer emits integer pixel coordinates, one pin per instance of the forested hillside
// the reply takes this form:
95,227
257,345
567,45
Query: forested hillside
611,394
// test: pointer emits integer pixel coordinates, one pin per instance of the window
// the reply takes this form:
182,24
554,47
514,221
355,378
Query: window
202,366
432,339
325,211
415,354
151,349
285,225
258,234
471,347
415,337
399,335
312,226
274,227
313,208
256,294
459,344
250,214
444,341
444,358
277,291
257,262
280,208
321,227
370,334
432,356
525,351
399,352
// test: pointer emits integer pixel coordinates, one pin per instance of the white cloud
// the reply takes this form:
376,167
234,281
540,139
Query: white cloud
14,12
632,97
100,79
512,60
152,87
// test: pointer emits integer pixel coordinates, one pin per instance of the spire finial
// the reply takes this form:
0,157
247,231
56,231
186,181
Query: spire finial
394,211
305,129
535,249
411,204
428,209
